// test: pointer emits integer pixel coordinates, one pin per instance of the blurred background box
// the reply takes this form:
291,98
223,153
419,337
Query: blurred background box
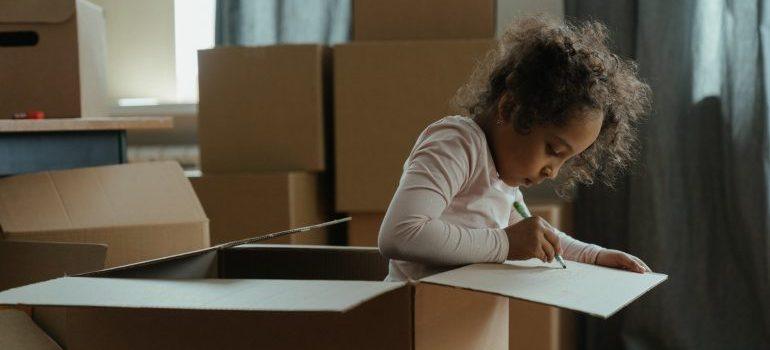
262,108
423,19
364,228
24,262
141,211
53,54
247,205
385,94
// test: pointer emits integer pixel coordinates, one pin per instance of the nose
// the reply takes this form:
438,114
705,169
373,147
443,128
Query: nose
550,172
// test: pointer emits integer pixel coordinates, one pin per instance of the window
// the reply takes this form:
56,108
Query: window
193,30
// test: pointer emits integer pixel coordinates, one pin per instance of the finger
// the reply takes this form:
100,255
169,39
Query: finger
640,262
634,266
548,249
553,238
541,254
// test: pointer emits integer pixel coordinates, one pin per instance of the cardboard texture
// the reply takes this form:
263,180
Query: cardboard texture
244,205
54,55
262,108
385,94
19,332
425,19
140,211
364,229
29,262
534,326
208,299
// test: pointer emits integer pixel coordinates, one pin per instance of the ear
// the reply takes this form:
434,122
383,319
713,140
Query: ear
500,103
504,99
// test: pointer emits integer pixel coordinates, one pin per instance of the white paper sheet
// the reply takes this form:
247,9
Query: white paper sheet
587,288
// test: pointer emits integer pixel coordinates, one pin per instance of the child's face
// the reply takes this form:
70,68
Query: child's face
528,159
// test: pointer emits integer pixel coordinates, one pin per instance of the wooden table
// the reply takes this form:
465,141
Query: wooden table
50,144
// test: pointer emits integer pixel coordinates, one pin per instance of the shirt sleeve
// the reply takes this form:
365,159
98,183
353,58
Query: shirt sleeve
572,249
440,165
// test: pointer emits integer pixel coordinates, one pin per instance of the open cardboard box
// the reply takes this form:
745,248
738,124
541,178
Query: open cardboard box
238,295
24,262
18,331
140,211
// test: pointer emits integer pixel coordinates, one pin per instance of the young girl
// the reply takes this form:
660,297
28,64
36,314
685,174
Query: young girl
552,99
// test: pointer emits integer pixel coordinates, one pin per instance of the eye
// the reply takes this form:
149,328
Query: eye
550,151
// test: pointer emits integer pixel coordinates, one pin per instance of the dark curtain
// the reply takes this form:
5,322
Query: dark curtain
268,22
695,204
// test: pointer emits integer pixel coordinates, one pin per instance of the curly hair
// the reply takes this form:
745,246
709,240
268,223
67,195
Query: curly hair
544,69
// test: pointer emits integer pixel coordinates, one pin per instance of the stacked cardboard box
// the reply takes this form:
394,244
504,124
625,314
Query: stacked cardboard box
406,62
426,19
53,54
244,205
262,133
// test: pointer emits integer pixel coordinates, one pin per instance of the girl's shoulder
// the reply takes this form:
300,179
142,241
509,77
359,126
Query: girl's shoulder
457,127
457,135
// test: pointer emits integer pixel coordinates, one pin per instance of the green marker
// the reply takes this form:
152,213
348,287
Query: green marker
524,212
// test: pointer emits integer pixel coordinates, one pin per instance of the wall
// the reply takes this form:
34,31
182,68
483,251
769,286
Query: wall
140,49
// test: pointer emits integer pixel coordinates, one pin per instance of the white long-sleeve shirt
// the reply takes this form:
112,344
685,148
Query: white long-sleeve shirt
451,206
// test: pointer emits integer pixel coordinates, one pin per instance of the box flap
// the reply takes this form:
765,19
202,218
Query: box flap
200,294
109,196
18,331
36,11
29,262
592,289
143,267
303,262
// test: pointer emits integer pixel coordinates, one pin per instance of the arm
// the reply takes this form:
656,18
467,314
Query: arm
441,164
572,249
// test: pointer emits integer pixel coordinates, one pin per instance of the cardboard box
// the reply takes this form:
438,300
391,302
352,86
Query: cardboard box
532,325
294,297
364,229
53,58
140,211
424,19
23,263
385,94
262,108
244,205
19,332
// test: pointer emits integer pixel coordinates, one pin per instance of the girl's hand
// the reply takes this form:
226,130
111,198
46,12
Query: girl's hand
620,260
532,237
